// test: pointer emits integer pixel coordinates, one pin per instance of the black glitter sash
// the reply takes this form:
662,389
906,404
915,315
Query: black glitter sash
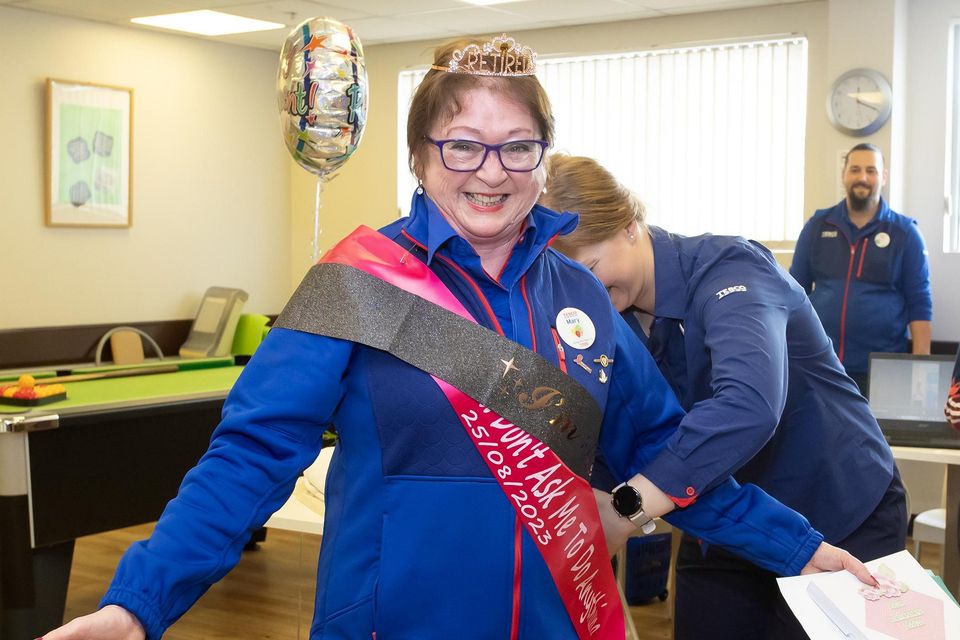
341,301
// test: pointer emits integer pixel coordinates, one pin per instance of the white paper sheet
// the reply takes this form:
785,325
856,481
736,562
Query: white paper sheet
814,621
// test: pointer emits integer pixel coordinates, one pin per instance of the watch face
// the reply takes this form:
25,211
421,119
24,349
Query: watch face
626,500
859,102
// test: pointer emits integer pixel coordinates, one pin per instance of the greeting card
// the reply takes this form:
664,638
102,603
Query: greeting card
907,604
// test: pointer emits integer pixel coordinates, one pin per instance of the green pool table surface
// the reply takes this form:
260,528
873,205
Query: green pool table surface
137,390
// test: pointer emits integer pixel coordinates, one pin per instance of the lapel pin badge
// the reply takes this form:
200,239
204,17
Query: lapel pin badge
603,360
583,365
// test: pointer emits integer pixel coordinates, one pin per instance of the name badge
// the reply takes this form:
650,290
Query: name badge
576,328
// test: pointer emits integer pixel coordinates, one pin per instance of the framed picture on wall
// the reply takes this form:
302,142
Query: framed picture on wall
89,155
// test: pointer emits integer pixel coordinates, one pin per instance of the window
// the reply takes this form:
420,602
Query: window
951,219
710,137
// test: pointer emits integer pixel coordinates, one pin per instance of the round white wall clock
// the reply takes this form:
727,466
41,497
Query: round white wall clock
859,102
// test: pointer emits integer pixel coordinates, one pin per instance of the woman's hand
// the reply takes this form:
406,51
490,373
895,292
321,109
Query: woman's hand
830,558
616,529
110,623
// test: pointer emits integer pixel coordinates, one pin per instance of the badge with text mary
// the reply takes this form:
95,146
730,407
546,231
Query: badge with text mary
322,94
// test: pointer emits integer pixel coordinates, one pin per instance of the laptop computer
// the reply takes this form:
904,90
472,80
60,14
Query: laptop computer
907,393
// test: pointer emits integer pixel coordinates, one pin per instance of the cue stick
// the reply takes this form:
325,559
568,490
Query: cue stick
121,373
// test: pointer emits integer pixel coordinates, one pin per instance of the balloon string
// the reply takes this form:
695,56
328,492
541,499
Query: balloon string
316,221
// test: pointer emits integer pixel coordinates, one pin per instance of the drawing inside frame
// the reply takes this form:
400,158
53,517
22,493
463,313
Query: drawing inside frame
89,155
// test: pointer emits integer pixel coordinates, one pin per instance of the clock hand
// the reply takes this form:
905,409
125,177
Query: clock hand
867,105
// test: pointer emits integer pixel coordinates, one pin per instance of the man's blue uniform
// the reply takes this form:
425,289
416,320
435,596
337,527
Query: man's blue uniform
767,400
866,284
419,541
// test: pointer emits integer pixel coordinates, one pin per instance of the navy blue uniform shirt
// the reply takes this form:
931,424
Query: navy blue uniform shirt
766,396
866,284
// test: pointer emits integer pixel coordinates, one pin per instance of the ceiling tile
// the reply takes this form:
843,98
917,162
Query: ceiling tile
398,8
382,30
576,11
475,20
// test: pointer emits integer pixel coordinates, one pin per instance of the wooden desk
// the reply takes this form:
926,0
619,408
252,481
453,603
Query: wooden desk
301,512
113,456
951,547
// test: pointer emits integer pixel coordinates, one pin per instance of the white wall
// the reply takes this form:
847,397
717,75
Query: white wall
211,190
850,45
928,24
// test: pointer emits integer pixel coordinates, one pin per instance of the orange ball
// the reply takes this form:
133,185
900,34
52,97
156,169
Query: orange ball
26,381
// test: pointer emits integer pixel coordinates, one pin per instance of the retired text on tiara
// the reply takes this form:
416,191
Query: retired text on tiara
495,62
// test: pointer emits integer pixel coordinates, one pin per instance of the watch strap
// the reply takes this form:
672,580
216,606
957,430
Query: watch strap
644,522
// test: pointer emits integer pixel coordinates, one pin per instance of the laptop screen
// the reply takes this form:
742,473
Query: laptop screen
907,394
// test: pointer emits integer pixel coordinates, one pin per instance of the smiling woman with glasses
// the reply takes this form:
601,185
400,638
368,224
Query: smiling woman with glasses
448,518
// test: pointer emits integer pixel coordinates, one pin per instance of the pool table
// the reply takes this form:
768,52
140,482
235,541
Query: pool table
110,455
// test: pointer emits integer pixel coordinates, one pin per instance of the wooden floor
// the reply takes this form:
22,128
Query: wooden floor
270,593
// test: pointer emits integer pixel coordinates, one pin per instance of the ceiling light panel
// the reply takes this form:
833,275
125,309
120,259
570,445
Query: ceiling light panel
207,23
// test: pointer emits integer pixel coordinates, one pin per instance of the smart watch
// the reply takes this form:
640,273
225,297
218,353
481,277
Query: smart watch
629,504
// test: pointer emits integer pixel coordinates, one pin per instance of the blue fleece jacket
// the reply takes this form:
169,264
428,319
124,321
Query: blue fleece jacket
866,284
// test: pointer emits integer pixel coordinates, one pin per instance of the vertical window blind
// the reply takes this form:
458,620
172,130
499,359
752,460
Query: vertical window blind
951,219
710,137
